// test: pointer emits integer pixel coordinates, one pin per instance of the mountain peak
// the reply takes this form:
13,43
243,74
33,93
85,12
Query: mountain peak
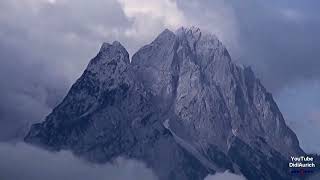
107,48
193,30
116,43
111,60
201,42
195,33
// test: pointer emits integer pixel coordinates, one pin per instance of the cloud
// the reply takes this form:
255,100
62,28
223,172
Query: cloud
148,14
292,15
277,39
217,17
300,105
22,161
225,176
315,117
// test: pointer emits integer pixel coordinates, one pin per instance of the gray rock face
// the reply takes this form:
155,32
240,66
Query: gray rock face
181,106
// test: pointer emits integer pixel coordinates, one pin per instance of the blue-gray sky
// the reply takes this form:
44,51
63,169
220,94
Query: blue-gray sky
46,44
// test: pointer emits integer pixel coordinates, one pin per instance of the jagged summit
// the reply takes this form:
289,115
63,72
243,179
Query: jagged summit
109,49
111,61
194,34
181,106
105,47
193,30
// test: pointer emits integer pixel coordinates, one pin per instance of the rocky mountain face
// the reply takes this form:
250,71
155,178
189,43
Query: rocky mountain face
181,106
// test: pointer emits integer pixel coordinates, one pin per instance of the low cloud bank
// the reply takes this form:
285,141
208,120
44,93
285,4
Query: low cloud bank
225,176
21,161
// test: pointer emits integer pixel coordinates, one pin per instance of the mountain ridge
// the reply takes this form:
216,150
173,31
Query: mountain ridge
180,98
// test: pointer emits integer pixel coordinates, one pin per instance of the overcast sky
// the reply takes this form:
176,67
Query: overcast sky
46,44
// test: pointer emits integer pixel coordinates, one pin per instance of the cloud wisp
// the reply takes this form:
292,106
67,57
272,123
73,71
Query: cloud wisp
22,161
225,176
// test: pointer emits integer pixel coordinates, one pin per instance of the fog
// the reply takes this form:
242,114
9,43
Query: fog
25,162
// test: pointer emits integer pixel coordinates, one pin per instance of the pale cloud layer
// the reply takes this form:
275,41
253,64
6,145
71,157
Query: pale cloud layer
151,16
305,121
22,161
292,15
225,176
216,17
